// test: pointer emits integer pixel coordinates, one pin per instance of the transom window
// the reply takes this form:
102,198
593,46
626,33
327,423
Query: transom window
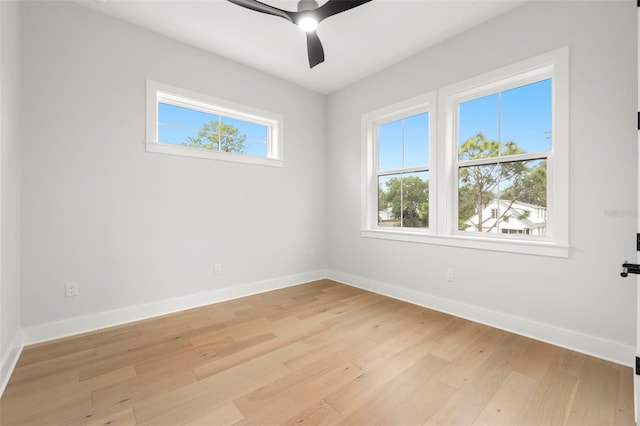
185,123
486,167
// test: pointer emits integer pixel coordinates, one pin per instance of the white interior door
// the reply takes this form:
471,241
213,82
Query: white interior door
636,380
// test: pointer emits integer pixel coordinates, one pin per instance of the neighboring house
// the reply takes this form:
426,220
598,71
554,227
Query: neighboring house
512,217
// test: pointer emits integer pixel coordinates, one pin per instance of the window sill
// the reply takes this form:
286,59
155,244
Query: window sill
184,151
538,248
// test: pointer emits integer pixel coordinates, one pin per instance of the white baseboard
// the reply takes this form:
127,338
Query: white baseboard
88,323
617,352
591,345
9,361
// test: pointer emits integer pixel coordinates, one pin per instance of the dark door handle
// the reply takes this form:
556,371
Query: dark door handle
629,268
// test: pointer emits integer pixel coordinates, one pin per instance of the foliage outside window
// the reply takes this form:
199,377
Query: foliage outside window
185,123
491,172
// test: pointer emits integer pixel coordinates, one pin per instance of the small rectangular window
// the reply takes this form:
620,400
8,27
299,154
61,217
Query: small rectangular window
190,124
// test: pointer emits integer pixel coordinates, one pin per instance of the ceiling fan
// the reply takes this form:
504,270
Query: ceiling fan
308,16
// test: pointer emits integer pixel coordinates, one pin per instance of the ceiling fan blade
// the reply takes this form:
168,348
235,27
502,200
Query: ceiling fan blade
264,8
314,49
333,7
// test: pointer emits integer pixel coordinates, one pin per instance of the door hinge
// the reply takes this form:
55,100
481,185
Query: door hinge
638,358
637,242
638,111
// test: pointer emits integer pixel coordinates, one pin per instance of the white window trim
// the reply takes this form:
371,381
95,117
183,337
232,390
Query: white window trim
443,192
192,100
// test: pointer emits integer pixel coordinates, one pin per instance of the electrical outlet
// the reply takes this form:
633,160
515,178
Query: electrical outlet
217,269
71,289
451,275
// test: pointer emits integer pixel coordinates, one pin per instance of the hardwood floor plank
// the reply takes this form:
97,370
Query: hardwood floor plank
319,413
357,393
552,400
389,397
459,370
506,405
595,395
226,415
263,407
199,398
624,404
318,353
471,398
458,336
536,360
418,408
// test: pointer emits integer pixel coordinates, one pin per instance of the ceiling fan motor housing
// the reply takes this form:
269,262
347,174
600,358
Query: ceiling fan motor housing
307,5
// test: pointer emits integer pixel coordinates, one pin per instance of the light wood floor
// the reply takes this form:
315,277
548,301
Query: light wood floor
319,353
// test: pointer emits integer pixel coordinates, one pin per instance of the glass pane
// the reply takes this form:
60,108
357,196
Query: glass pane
415,196
416,141
478,128
477,187
526,116
511,122
506,198
403,200
390,146
249,130
389,200
180,126
196,129
256,148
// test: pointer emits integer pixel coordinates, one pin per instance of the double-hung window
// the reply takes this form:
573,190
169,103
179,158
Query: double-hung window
492,175
399,165
503,147
186,123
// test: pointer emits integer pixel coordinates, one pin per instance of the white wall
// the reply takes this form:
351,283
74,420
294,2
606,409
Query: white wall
136,228
580,301
10,336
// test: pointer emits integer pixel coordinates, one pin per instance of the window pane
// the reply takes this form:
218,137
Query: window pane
526,116
416,141
390,146
177,125
478,128
511,122
253,131
196,129
506,198
476,192
403,200
389,200
415,187
256,148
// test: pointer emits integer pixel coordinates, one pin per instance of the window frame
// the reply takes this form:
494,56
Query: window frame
370,123
157,92
443,176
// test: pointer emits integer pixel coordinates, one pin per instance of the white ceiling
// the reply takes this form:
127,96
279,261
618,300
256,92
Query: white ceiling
357,42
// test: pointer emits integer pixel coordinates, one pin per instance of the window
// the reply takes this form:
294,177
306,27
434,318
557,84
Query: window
503,144
403,171
399,172
185,123
493,175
